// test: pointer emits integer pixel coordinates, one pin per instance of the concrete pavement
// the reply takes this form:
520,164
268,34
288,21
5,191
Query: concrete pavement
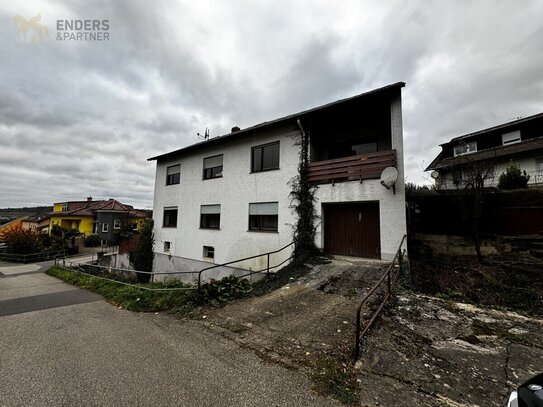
66,347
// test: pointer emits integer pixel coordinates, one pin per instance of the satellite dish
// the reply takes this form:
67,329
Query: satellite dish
389,176
434,174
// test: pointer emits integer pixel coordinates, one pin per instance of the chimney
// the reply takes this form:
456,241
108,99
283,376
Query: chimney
89,199
234,129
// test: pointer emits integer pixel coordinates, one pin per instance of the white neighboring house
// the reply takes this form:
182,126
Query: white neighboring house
227,198
520,141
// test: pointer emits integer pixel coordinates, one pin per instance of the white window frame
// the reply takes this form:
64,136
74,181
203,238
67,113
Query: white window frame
116,224
105,228
511,138
207,250
471,148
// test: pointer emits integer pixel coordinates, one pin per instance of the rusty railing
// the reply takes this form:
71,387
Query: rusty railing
390,278
356,167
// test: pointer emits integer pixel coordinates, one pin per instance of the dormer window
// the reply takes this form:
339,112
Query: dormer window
465,148
511,138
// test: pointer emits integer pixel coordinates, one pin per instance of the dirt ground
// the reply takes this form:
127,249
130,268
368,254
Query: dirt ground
423,351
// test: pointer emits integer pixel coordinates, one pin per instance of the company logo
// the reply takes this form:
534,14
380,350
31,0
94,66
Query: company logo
82,30
32,27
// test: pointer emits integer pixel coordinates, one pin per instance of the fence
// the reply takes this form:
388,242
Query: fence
32,257
117,275
390,279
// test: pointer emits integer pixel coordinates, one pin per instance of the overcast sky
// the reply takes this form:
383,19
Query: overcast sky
81,118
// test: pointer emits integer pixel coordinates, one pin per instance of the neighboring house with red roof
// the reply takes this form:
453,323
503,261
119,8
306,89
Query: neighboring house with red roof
101,218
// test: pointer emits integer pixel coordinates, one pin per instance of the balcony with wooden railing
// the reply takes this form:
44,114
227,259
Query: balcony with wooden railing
356,167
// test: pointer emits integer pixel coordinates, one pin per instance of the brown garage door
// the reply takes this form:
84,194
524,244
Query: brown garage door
352,229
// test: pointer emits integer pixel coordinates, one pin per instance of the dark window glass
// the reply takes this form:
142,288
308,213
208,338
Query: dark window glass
170,218
265,157
210,220
266,223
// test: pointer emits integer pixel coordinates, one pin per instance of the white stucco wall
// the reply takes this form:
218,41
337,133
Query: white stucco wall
234,191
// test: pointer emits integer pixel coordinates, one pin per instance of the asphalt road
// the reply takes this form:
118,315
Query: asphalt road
61,346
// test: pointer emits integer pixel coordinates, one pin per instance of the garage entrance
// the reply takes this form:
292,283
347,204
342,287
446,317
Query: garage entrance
352,229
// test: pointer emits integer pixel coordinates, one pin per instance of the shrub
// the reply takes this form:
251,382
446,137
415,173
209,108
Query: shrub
513,177
142,257
92,241
21,241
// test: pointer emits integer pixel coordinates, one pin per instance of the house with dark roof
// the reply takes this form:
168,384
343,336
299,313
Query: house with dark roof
101,218
520,141
229,197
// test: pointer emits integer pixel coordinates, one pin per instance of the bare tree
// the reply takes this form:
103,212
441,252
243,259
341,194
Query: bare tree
476,177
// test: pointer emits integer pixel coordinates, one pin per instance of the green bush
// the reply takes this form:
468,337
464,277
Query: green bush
513,178
92,241
142,257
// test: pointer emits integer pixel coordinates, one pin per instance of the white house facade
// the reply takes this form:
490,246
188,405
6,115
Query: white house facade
519,141
228,198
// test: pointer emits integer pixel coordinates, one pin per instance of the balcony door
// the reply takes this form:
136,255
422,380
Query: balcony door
352,229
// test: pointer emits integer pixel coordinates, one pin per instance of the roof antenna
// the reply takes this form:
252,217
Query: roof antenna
205,137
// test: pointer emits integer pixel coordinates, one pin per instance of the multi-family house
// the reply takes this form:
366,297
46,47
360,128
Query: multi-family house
229,197
520,141
102,218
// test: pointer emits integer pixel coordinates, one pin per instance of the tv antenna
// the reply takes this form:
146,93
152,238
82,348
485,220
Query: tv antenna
205,137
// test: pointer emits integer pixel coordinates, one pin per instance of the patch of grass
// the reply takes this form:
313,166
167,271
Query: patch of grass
336,378
128,297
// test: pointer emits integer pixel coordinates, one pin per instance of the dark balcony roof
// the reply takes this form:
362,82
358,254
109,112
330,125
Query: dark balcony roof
276,121
494,128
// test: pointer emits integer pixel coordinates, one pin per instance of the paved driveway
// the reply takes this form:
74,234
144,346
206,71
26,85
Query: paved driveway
63,346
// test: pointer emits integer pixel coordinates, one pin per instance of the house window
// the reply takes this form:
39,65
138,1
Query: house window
511,138
213,167
539,164
170,217
167,246
173,174
365,148
265,157
465,148
210,216
116,224
105,227
209,252
134,226
263,216
64,208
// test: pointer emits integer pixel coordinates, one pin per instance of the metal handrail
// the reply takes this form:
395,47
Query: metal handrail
387,275
23,257
268,268
77,267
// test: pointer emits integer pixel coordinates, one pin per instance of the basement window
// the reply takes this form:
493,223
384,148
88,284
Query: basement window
170,217
511,138
465,148
263,216
173,174
210,216
209,252
213,167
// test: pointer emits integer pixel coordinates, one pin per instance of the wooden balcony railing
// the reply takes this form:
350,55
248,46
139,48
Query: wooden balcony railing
356,167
